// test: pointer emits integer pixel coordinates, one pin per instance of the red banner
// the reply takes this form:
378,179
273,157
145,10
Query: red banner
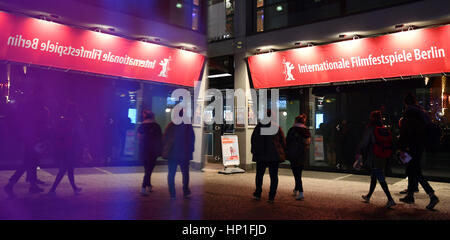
407,53
41,42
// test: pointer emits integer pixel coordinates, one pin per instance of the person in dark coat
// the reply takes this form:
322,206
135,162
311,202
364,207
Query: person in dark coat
179,143
412,141
150,144
68,141
376,164
298,141
267,151
33,133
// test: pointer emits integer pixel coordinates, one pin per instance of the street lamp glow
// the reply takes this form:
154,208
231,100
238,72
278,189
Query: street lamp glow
279,8
179,5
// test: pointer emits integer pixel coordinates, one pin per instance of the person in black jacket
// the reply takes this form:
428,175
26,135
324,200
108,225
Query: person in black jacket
412,141
150,144
179,144
68,142
267,151
33,133
297,141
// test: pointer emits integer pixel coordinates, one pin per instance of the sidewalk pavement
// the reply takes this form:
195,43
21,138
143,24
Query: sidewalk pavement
114,193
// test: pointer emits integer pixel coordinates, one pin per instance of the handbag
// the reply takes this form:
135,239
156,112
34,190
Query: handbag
279,147
358,164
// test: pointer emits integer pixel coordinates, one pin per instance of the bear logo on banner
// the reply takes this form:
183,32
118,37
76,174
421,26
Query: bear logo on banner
165,67
288,67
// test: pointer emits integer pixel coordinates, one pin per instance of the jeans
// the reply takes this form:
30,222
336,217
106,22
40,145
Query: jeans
184,166
273,172
297,171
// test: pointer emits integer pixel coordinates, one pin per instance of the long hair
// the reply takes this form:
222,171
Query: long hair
376,119
301,118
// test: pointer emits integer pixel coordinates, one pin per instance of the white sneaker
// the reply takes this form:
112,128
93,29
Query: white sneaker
144,191
300,196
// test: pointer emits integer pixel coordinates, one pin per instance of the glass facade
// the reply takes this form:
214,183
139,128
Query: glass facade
337,116
188,14
220,19
275,14
105,114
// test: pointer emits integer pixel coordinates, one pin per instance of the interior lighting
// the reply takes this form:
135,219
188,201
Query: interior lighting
220,75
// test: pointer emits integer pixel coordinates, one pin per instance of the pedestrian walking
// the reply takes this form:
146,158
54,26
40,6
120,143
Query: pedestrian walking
178,148
150,145
69,148
33,133
376,146
415,184
268,151
298,141
412,142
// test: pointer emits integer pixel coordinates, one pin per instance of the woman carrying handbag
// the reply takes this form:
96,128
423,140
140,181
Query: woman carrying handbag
377,146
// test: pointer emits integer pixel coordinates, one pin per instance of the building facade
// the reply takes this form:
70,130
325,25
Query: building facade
97,64
253,33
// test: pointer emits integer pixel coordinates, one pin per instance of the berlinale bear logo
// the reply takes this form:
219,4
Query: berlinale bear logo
165,67
288,67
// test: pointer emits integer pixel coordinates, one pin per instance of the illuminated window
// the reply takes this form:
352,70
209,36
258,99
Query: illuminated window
260,20
260,3
195,19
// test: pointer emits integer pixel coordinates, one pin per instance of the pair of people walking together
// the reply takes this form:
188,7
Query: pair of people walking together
270,150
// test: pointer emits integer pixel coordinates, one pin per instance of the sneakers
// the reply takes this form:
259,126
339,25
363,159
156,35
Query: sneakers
294,193
390,203
271,200
299,196
256,197
433,201
144,191
149,189
366,199
77,190
407,199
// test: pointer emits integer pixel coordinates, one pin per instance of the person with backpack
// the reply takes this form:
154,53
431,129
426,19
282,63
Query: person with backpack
376,145
297,144
413,140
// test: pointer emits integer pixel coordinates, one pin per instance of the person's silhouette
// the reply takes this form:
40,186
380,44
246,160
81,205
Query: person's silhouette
178,149
67,134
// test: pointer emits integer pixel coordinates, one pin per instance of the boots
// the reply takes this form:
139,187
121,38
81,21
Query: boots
433,201
409,199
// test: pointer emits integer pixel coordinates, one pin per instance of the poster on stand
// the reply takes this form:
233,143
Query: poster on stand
318,148
230,150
